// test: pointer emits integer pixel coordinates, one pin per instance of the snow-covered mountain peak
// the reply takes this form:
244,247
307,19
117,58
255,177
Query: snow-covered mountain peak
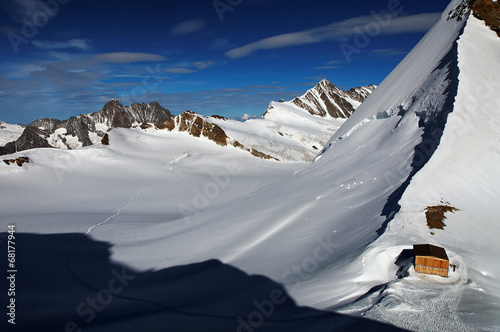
328,100
113,103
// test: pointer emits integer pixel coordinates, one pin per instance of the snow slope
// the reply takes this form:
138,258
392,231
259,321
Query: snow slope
464,173
9,132
287,132
188,220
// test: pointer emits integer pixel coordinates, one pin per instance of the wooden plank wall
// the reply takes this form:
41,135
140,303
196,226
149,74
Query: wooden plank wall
431,265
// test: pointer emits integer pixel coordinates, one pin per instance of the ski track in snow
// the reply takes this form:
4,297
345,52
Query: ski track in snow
176,160
121,208
145,189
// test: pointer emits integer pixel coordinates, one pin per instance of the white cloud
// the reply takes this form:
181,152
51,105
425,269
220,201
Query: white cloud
188,27
279,41
381,25
248,117
82,44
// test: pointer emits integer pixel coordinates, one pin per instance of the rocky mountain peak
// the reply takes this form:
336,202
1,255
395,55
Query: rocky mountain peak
326,99
111,105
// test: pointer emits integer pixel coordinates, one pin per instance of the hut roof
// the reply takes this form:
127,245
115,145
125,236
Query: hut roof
429,250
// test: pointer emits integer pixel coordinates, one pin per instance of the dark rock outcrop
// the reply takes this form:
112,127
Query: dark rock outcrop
196,125
19,161
489,12
115,115
461,11
32,137
105,139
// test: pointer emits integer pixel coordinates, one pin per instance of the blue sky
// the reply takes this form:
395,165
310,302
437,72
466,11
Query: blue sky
60,58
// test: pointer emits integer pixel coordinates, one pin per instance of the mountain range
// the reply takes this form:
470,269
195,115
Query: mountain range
322,109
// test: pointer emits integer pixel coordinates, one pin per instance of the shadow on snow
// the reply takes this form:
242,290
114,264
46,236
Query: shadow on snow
67,282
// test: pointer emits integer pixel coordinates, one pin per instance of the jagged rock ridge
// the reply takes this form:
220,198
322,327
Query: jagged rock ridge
85,129
326,99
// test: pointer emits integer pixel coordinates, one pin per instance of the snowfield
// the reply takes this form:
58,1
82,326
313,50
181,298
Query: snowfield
9,132
173,232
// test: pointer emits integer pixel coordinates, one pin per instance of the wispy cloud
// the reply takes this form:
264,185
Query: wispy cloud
340,30
279,41
334,64
187,27
189,68
327,67
128,57
82,44
200,65
21,70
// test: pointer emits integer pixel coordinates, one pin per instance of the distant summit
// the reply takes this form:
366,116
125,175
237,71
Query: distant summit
327,100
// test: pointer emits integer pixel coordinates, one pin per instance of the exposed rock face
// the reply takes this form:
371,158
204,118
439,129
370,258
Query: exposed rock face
19,161
85,129
325,99
461,11
198,126
489,12
259,154
105,139
115,115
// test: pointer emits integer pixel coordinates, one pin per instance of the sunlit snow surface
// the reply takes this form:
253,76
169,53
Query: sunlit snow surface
167,199
9,132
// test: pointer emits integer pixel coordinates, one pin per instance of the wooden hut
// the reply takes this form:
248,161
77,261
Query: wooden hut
431,259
